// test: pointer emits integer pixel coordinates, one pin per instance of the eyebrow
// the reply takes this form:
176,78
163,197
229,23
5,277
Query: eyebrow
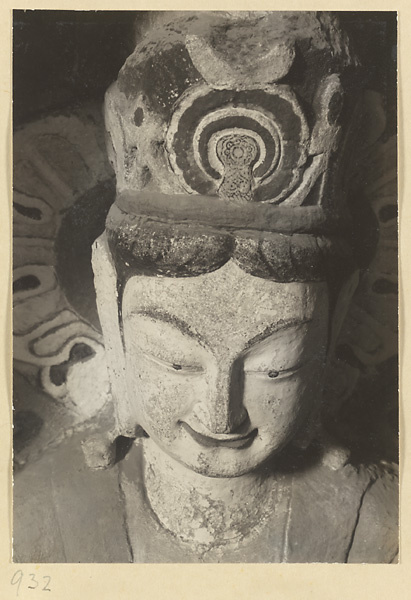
165,317
281,325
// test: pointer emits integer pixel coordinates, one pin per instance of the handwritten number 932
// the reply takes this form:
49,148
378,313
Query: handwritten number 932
32,583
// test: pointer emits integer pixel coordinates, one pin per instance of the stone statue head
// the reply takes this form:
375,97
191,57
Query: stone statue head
231,252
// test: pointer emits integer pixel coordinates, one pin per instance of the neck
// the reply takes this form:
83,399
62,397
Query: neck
205,511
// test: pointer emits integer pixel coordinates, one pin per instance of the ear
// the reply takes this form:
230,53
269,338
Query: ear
312,429
341,378
341,308
105,282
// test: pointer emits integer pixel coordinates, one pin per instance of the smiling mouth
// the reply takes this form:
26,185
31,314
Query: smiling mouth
226,440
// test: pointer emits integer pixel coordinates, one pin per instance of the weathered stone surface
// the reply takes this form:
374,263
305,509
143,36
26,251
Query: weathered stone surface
188,83
229,261
105,516
221,310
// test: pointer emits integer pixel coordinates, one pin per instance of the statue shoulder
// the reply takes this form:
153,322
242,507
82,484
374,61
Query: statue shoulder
66,512
343,515
375,538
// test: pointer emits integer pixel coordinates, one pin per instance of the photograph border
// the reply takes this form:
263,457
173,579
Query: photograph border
206,581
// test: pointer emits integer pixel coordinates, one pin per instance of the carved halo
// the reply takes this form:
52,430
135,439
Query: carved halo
57,160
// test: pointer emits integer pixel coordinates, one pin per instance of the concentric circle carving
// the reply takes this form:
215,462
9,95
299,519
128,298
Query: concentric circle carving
271,118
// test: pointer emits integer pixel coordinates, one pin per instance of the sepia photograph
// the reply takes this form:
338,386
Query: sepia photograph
205,287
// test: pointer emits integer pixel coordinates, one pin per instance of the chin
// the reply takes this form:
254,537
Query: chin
219,472
229,463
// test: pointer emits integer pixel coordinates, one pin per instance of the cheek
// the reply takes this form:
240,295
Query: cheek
160,397
279,405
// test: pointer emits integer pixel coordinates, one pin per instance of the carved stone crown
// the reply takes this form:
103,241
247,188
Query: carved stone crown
236,123
234,120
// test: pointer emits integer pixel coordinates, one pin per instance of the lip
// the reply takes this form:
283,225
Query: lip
226,440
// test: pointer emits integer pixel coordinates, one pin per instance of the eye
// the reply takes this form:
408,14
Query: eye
179,366
263,372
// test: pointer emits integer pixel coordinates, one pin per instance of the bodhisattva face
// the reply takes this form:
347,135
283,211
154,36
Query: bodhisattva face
223,368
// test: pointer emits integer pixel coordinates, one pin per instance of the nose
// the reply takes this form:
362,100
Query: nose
222,409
